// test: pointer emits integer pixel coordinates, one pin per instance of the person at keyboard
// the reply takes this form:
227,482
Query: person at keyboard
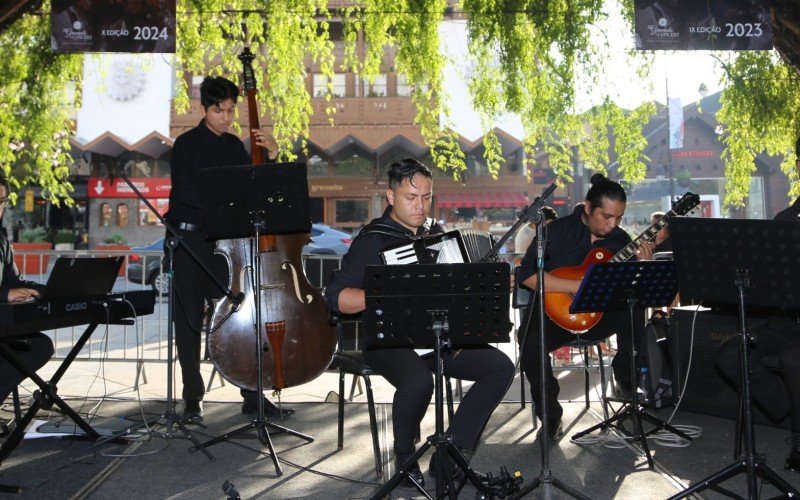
33,350
409,197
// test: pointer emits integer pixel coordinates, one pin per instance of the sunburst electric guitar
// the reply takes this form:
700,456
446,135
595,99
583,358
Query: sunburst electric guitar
556,304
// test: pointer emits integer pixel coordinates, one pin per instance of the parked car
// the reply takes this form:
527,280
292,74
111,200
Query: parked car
148,267
324,241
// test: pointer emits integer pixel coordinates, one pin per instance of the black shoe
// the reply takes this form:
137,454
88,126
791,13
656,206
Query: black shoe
793,460
250,407
193,411
413,471
555,429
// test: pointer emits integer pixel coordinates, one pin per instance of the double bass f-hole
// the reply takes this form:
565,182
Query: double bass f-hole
309,298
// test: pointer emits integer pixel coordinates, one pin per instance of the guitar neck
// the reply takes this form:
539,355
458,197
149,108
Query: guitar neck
649,235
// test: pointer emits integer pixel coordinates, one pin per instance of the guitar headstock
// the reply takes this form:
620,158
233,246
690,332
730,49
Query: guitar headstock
686,204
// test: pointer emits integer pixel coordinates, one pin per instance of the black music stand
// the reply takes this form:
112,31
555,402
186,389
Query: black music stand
627,285
439,306
717,260
170,417
246,202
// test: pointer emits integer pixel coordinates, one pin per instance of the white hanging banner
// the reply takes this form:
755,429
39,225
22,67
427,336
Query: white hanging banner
675,123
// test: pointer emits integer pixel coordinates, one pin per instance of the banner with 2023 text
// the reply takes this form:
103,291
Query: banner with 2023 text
702,25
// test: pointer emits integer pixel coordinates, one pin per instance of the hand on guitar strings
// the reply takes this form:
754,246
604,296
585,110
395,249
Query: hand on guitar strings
645,251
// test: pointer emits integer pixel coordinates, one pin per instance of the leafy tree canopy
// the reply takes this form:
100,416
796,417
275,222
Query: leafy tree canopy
529,57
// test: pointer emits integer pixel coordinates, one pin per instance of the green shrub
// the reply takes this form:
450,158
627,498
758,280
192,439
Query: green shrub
115,239
34,235
63,236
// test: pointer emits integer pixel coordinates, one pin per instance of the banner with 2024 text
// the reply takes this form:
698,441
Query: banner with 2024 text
138,26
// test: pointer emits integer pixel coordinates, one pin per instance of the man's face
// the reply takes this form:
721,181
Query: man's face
220,116
411,201
605,218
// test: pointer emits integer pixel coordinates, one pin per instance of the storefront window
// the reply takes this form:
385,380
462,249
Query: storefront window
317,167
354,166
105,215
148,218
378,87
122,215
321,85
352,212
403,87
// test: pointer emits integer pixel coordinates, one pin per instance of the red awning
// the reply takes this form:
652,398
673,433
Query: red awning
480,200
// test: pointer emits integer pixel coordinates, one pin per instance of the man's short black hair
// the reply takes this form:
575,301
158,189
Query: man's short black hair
406,168
5,184
215,89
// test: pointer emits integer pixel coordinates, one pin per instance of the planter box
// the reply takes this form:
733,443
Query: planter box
31,263
106,246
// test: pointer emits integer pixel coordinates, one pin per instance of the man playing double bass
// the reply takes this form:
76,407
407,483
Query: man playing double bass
568,241
209,144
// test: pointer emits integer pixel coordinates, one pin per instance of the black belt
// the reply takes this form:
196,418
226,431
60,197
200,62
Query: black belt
187,226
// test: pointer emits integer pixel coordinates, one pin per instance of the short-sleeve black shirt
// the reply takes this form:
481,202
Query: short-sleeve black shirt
193,151
568,243
365,250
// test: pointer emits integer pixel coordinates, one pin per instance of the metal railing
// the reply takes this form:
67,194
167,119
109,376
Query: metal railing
146,340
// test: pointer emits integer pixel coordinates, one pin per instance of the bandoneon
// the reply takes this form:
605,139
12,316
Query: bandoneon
452,247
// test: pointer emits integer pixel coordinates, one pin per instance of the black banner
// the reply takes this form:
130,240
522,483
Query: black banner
113,26
702,25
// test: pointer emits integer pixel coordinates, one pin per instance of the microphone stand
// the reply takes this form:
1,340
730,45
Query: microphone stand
531,213
170,417
546,479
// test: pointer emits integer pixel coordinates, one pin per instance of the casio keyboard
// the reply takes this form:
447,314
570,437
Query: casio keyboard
24,318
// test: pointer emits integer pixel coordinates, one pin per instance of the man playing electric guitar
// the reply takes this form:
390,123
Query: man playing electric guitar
568,241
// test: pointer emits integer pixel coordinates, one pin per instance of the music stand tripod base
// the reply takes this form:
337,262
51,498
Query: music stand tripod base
406,303
716,264
614,286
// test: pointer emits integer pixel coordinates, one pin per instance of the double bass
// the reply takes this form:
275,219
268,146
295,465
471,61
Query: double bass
298,341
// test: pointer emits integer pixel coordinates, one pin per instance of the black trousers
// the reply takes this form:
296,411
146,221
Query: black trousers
192,288
615,322
410,374
33,351
774,367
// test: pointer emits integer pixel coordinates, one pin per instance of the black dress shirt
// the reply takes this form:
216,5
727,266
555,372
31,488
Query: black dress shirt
193,151
10,273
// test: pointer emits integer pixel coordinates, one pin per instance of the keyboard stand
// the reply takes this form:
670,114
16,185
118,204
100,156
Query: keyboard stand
47,394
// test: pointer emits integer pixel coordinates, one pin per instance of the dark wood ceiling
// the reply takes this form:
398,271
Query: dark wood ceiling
11,10
786,30
785,24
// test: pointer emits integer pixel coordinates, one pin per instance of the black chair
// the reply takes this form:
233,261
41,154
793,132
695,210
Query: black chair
352,362
520,300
